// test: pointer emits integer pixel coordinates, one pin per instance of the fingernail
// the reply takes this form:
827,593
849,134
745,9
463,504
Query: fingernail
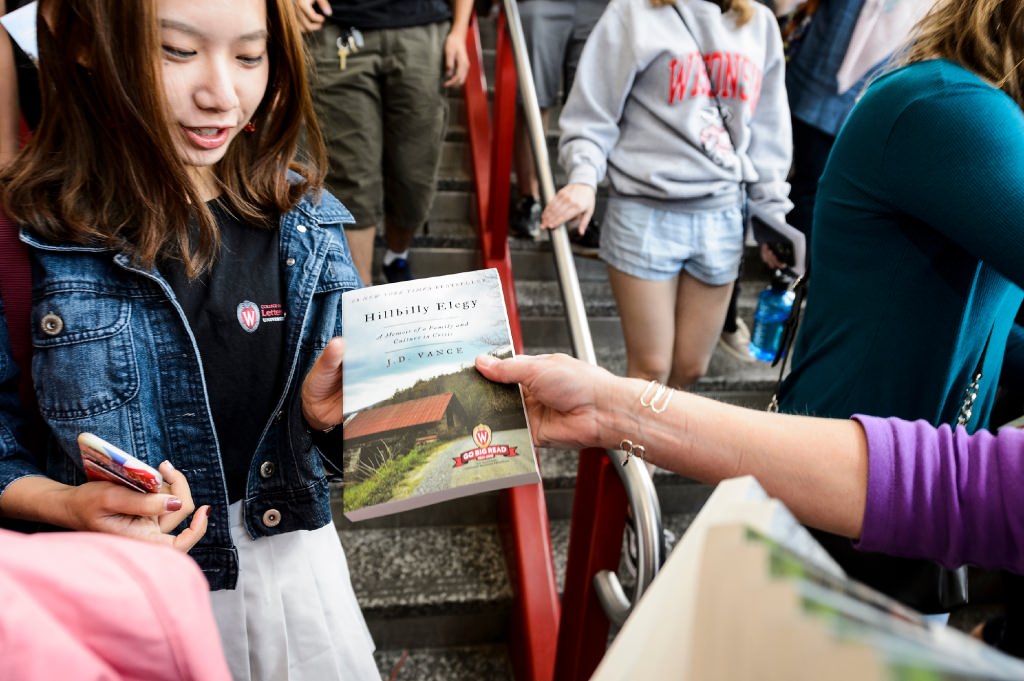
173,504
166,461
206,511
485,360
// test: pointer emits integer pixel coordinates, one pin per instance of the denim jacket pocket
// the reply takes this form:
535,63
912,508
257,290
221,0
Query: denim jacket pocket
84,355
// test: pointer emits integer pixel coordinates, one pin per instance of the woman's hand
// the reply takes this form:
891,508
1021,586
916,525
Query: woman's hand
321,390
115,509
572,201
565,398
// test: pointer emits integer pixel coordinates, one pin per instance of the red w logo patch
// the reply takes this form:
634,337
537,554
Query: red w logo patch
248,316
482,435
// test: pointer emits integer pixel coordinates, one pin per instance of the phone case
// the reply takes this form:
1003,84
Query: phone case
104,461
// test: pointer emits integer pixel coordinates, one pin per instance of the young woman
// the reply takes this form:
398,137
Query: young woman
684,104
187,276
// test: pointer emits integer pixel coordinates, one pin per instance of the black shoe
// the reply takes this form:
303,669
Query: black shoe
588,243
398,270
524,219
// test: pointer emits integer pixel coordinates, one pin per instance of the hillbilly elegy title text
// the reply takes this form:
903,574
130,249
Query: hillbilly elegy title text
419,310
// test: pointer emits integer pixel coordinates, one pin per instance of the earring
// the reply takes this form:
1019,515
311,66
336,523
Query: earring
250,127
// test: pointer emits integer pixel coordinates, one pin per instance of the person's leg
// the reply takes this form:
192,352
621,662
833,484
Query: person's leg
348,106
700,309
547,26
585,17
524,219
360,245
646,310
526,170
415,114
705,291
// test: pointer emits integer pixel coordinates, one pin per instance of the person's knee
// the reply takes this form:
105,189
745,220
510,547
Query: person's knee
686,373
649,368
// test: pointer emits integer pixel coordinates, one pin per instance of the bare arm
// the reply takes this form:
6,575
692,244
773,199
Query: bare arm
817,467
9,111
456,56
110,508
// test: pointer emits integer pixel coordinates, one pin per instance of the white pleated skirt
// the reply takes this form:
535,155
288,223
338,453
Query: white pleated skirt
293,615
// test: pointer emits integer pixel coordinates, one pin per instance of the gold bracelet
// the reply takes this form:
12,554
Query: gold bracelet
653,393
631,450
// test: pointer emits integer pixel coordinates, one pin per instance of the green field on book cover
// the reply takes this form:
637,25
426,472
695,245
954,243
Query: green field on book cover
421,424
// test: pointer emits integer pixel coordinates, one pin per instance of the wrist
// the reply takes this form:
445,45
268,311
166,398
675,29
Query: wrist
622,416
314,425
38,499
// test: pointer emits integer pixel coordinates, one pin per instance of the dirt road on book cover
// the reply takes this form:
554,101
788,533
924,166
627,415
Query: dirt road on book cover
441,473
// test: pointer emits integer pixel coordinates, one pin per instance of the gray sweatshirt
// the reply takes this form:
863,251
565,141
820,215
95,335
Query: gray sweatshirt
643,110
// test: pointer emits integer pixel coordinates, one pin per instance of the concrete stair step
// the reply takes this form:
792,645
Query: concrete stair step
435,586
437,600
456,663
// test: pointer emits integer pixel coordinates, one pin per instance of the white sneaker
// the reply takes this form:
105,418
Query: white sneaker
737,343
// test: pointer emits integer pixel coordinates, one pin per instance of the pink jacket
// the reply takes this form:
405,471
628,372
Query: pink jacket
97,607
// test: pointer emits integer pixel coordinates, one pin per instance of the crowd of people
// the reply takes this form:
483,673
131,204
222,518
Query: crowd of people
186,159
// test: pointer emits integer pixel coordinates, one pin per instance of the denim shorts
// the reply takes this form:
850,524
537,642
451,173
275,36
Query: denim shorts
656,244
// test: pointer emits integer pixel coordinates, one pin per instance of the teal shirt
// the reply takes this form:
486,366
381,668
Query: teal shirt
918,251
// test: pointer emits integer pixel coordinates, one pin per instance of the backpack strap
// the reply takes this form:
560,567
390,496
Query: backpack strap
16,293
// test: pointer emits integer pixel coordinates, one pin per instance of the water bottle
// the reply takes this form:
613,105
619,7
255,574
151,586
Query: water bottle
773,307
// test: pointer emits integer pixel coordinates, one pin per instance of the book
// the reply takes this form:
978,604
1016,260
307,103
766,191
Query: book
421,424
749,594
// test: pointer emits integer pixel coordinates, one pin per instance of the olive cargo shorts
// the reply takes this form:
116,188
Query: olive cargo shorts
383,118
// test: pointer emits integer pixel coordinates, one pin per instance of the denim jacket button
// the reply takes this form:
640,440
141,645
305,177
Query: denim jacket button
272,518
289,262
51,324
266,469
301,229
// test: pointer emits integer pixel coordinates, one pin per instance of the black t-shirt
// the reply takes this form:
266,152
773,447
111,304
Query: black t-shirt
373,14
236,312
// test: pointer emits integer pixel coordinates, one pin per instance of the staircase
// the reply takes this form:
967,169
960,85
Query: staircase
433,583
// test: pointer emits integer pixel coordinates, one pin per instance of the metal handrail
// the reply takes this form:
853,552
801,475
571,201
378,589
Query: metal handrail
640,492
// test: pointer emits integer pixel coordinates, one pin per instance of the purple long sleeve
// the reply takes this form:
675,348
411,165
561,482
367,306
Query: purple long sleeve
942,494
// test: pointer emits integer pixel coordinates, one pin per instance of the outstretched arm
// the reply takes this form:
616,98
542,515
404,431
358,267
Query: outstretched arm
817,467
903,488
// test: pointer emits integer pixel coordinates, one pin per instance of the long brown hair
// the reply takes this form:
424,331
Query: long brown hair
102,167
743,10
984,36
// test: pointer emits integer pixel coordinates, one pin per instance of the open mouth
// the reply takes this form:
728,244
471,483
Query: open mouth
206,138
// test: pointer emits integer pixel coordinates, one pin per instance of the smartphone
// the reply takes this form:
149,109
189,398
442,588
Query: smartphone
104,461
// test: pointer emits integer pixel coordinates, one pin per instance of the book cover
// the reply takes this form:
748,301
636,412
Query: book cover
421,424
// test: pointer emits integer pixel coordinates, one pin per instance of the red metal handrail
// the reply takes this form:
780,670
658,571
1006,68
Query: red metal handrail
579,624
523,511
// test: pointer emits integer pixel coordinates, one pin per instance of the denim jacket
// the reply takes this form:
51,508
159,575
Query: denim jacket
114,355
